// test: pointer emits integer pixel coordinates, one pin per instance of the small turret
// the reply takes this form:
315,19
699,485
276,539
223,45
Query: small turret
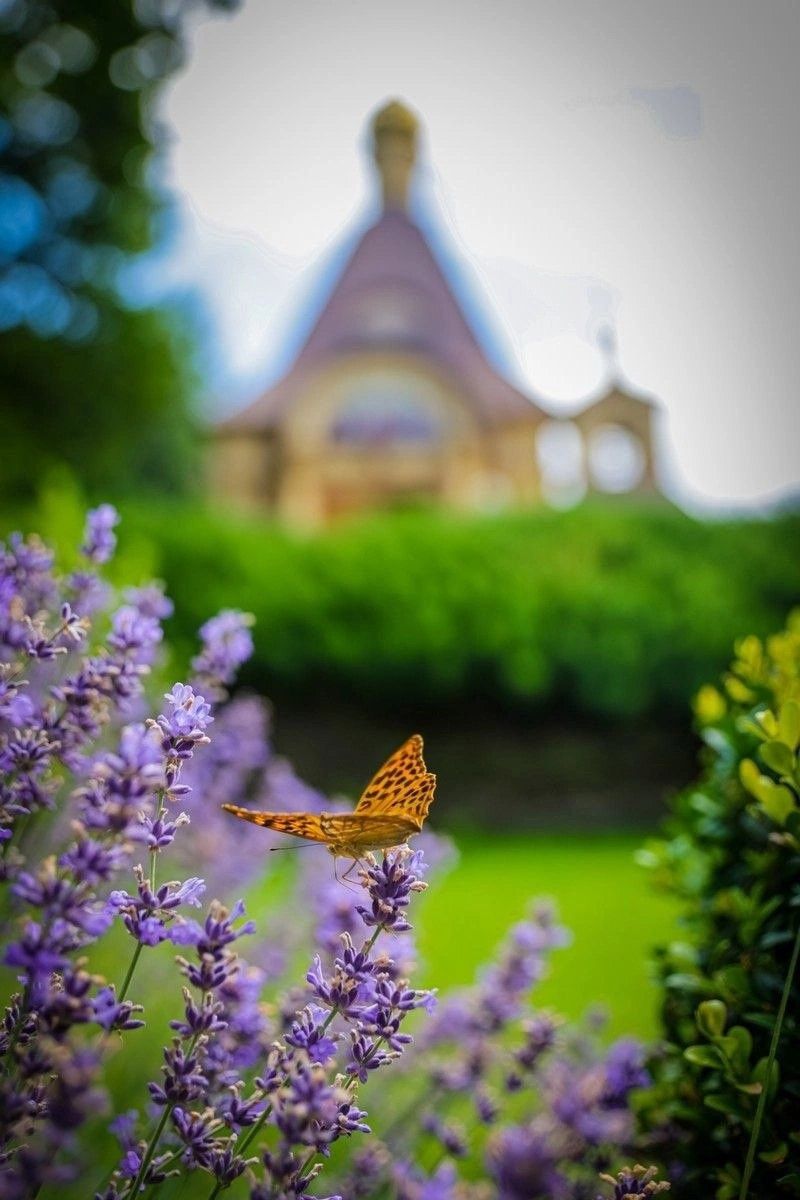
394,133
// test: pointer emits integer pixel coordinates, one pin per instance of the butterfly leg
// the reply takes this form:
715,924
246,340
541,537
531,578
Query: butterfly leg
341,878
355,863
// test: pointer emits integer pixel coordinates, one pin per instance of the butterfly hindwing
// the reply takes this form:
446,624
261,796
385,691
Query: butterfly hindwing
367,832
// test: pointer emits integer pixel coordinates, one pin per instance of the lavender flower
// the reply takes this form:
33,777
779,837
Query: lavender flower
151,601
635,1181
99,539
390,885
368,1169
109,1013
501,994
134,635
523,1162
235,764
227,643
149,914
624,1070
308,1033
185,723
411,1183
27,588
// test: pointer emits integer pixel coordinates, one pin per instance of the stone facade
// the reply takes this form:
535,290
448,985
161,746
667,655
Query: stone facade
392,399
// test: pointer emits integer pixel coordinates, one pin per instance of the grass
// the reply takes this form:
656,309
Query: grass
603,897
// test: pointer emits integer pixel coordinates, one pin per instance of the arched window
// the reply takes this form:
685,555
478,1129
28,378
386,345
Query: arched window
386,410
559,452
616,459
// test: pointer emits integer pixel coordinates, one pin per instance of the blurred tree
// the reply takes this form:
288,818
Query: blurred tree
85,379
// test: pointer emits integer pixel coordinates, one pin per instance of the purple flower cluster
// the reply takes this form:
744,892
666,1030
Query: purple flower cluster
210,1116
227,643
90,785
192,1124
99,539
63,737
488,1044
353,1022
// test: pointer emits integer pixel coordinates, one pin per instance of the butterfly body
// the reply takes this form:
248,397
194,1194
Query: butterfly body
392,809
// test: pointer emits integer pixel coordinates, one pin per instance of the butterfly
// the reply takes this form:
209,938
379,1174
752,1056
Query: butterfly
393,807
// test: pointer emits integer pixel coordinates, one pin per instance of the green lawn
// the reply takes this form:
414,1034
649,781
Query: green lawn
602,896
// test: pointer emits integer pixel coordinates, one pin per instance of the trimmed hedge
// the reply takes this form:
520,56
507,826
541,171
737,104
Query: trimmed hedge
613,610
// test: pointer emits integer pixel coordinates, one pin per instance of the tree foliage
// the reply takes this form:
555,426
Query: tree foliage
85,379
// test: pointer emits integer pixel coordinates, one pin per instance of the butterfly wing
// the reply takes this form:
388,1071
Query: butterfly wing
403,787
350,831
357,832
393,806
417,801
300,824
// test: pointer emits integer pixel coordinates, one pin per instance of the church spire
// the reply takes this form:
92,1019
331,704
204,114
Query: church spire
607,344
394,133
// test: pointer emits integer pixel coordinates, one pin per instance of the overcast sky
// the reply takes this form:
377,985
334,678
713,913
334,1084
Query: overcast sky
629,162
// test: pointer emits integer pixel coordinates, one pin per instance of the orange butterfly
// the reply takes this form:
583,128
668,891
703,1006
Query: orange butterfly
392,809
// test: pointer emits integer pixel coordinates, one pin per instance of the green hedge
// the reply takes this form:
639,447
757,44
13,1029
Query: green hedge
727,1083
612,610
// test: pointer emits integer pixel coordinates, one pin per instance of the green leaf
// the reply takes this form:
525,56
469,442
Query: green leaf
684,982
766,723
778,803
750,776
750,1089
789,723
776,1155
683,953
703,1056
737,1046
760,1076
776,800
778,757
729,1105
712,1016
733,981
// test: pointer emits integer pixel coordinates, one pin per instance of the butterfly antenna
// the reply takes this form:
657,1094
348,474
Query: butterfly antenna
294,846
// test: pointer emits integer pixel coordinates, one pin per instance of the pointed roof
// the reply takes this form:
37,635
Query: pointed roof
393,297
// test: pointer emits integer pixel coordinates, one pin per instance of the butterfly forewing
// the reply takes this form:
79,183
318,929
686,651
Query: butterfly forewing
402,786
302,825
416,803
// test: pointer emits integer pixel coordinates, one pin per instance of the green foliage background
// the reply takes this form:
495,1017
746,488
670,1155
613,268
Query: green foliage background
731,859
118,409
612,611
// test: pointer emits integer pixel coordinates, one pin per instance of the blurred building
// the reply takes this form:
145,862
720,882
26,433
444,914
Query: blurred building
392,399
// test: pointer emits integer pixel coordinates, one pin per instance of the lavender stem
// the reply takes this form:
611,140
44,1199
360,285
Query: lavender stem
126,983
